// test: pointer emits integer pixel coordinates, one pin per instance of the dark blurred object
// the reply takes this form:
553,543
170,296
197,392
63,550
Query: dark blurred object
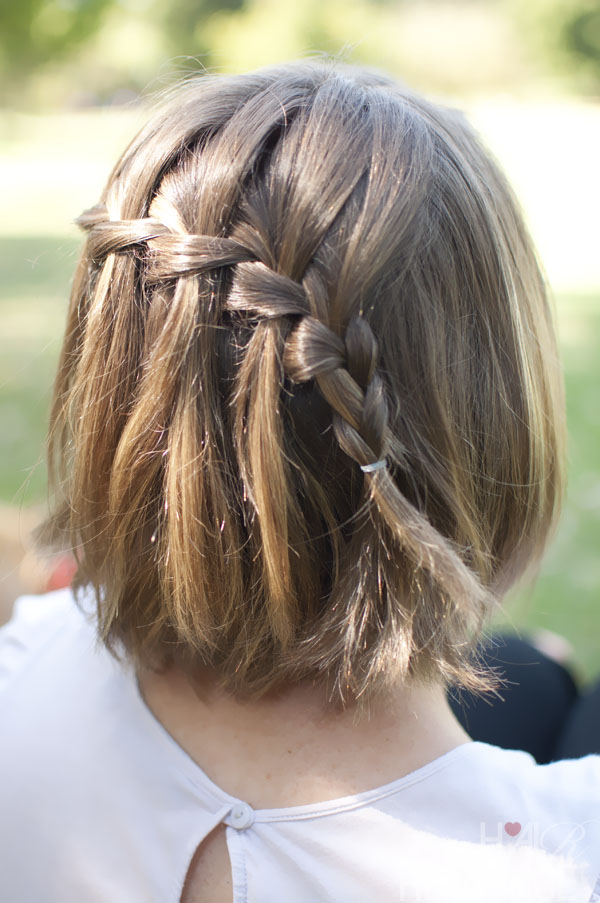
581,734
535,702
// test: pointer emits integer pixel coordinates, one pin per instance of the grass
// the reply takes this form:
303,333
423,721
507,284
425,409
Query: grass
566,596
35,273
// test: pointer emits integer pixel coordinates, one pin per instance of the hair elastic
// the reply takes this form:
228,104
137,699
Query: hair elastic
376,465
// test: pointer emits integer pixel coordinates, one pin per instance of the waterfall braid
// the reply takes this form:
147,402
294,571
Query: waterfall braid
308,416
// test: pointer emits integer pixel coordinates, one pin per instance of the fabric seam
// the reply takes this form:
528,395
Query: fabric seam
373,797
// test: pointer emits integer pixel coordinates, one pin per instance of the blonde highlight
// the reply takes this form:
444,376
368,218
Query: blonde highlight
308,421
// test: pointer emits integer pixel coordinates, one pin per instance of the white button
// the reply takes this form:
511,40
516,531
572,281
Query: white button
241,816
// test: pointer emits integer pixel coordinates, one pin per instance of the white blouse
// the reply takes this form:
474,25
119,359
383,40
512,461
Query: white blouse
98,804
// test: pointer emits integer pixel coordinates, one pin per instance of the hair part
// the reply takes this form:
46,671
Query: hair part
293,275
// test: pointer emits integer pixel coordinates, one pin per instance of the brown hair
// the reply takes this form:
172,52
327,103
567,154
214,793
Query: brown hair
308,418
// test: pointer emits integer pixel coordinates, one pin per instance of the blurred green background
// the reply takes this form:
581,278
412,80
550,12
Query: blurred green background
76,77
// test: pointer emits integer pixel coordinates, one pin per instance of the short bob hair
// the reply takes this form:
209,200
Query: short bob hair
308,418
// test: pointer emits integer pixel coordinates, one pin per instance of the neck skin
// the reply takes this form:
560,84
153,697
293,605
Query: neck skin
293,748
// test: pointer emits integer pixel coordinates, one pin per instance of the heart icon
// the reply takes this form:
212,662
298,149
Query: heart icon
512,828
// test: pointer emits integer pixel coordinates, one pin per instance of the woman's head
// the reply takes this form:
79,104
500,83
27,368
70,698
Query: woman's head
308,415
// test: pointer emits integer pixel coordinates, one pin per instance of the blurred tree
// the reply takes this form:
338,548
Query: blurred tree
580,36
183,21
566,33
35,35
32,32
90,51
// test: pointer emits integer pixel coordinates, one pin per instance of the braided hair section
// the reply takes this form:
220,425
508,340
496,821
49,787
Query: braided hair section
389,529
284,424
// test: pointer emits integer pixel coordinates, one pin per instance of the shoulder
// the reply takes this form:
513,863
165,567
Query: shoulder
566,782
60,702
49,663
76,766
552,809
561,789
35,622
53,672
